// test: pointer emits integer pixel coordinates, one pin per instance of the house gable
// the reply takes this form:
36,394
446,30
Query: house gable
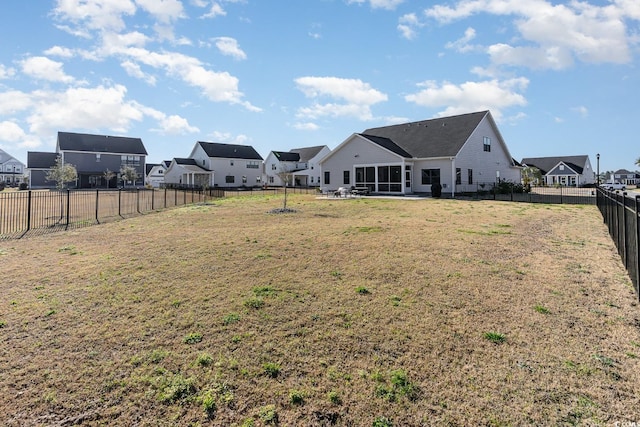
563,168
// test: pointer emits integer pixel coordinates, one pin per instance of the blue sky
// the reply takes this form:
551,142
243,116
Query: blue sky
560,78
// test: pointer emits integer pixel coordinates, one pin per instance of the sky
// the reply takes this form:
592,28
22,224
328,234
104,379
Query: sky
560,77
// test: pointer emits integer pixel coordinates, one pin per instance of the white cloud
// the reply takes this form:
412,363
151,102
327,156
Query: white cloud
229,46
43,68
357,97
60,51
494,95
11,132
176,125
6,72
462,44
164,10
84,108
134,70
14,101
408,25
216,10
379,4
228,138
306,126
95,14
582,111
554,34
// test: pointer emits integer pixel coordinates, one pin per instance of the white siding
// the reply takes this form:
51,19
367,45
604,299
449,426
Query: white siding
356,151
445,174
486,165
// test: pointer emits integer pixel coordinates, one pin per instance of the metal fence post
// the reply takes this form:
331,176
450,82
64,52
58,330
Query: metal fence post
66,227
97,205
120,202
138,200
637,214
29,211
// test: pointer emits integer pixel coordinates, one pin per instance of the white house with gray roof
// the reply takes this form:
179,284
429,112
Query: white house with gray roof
217,165
458,152
567,171
11,169
299,165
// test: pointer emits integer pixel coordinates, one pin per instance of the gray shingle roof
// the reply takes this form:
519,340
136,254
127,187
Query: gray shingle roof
41,159
284,156
545,164
230,151
307,153
442,137
68,141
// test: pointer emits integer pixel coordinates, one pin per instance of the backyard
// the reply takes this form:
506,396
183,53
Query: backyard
347,312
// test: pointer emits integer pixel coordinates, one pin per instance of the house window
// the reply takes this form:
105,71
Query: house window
130,160
430,176
244,179
229,179
327,178
273,166
487,143
202,162
253,165
458,176
270,180
561,167
366,177
160,172
98,157
470,175
312,180
345,178
389,178
258,179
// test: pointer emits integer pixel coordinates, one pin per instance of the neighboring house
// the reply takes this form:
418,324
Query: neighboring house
228,165
299,165
457,152
570,171
38,165
92,156
11,169
626,177
185,172
155,173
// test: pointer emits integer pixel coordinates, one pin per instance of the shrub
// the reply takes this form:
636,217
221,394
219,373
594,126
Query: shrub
204,359
362,290
175,388
296,397
268,414
334,397
193,338
231,318
382,422
271,369
255,303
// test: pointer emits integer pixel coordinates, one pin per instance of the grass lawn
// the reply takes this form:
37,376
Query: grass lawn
349,312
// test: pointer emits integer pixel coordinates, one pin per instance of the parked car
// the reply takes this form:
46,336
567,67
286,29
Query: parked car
613,186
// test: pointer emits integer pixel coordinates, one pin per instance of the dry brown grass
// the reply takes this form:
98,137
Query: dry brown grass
344,312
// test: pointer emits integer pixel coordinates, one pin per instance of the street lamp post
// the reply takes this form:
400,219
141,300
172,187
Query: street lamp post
598,167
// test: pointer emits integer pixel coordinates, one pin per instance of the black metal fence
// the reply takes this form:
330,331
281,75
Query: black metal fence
621,213
43,211
506,191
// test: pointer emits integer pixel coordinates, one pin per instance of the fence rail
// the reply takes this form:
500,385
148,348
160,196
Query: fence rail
518,193
621,214
43,211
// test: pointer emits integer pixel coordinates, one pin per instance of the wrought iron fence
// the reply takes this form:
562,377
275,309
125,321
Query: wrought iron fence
43,211
621,214
507,191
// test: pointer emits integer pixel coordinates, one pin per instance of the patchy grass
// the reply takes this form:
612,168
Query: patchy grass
353,312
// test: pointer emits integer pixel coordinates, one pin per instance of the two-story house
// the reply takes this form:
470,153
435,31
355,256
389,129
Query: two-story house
626,177
299,166
217,165
11,169
93,156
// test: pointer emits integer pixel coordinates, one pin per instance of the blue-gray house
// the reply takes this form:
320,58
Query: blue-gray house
92,156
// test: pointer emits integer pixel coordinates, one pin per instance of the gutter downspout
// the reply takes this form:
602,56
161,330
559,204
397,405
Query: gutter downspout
453,177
